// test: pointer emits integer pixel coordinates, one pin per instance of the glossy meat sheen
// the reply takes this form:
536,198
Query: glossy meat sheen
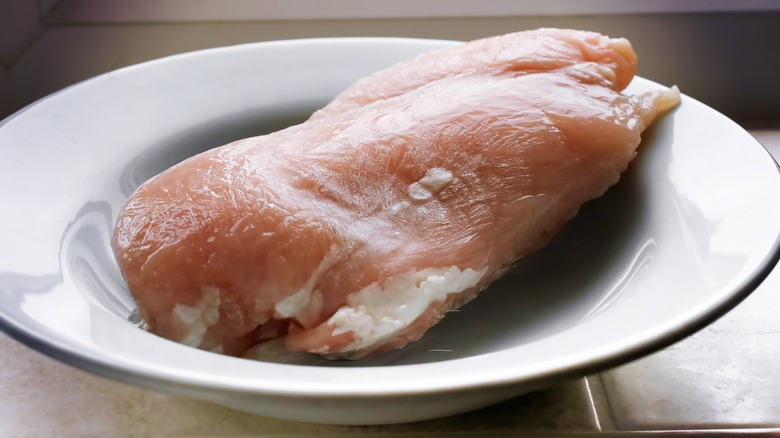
519,53
432,183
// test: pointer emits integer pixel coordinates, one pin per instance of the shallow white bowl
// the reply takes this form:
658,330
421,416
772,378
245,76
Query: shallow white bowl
689,231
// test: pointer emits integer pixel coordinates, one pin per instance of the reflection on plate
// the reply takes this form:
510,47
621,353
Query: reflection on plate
689,231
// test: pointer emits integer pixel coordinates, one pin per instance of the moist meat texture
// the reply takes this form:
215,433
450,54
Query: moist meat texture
355,231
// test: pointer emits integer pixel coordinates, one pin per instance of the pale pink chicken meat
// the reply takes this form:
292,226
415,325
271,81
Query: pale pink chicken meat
356,231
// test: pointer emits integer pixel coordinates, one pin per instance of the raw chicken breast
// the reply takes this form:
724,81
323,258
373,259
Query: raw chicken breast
519,53
356,231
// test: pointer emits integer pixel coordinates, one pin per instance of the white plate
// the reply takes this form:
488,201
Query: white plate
689,231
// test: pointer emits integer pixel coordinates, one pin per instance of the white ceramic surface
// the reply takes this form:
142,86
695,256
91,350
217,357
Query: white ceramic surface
689,231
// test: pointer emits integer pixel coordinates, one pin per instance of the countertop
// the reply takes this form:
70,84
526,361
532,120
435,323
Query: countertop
724,378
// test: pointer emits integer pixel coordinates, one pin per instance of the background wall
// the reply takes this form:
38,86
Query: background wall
724,53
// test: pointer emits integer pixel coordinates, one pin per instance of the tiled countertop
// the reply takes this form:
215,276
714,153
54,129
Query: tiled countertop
724,377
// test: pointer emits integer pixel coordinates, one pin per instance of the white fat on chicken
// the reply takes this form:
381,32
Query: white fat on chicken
295,305
198,318
377,312
434,180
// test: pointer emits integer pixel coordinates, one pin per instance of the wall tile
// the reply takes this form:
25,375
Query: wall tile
102,11
7,100
723,60
18,27
46,6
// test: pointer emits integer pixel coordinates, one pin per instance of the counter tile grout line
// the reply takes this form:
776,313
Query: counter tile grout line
599,406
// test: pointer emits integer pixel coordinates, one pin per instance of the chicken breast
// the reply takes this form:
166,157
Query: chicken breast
412,191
